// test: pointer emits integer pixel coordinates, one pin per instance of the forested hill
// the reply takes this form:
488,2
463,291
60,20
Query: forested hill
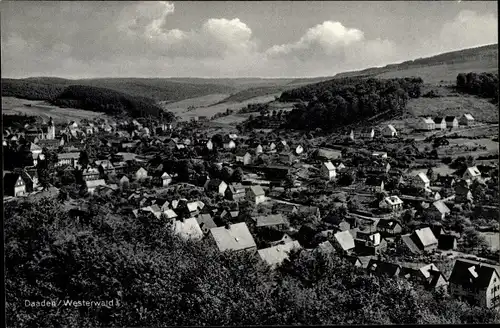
338,102
107,101
47,88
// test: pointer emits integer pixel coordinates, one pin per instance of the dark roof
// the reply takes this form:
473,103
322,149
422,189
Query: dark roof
374,181
472,274
241,152
407,240
10,179
438,119
206,221
383,268
387,224
449,118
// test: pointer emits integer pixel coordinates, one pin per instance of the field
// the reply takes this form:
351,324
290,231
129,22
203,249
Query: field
492,239
203,101
12,105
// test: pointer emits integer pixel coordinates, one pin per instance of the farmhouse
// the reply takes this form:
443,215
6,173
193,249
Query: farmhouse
93,184
466,120
392,203
235,192
389,131
344,242
471,174
389,227
451,122
141,174
426,274
256,194
426,124
70,159
217,186
421,181
439,208
383,268
439,123
274,220
244,157
14,184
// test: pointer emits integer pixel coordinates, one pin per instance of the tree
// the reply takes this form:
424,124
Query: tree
473,240
226,173
84,160
237,175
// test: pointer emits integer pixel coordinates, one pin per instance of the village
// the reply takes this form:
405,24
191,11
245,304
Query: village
375,195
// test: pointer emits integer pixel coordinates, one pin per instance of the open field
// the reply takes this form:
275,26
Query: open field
220,108
13,106
203,101
492,239
481,109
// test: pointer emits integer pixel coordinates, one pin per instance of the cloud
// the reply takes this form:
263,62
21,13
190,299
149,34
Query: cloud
146,18
467,29
332,45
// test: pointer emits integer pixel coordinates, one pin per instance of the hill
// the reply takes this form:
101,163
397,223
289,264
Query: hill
106,101
47,88
442,67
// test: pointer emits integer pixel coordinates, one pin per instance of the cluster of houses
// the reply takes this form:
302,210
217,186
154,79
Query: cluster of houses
362,245
443,123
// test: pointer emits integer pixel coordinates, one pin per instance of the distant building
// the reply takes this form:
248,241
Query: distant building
439,208
93,184
439,123
256,194
463,193
451,122
426,124
217,186
328,171
422,181
235,192
471,174
14,184
244,157
141,174
344,242
273,220
392,203
367,133
188,229
70,159
383,268
389,131
389,227
275,255
466,120
420,241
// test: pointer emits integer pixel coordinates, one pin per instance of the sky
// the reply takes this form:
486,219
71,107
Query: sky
86,39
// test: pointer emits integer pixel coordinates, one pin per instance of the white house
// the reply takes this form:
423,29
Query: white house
367,133
451,122
393,203
466,120
244,157
229,145
426,123
166,179
422,181
328,171
389,131
187,229
380,154
299,150
210,145
141,174
471,174
93,184
258,150
256,194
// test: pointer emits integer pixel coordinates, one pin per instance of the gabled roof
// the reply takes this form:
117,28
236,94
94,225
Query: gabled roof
469,117
241,152
257,190
426,236
206,221
10,179
193,206
237,237
170,214
383,268
275,255
388,224
345,240
472,273
393,200
423,177
270,220
427,120
450,118
406,239
441,207
236,188
326,247
329,166
473,171
438,120
68,155
390,127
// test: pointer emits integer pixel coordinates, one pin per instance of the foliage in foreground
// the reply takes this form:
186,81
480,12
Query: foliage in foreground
156,279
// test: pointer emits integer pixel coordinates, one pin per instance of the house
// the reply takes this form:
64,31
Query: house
421,240
426,124
105,167
13,184
327,154
326,247
389,227
206,222
426,274
310,211
256,194
445,181
216,185
51,143
375,184
235,192
439,209
383,268
299,150
367,133
471,174
344,242
350,136
30,178
124,182
354,260
70,159
328,171
244,157
392,203
141,174
466,120
235,237
447,242
258,149
275,255
169,214
285,209
463,193
93,184
90,173
187,229
421,181
389,131
273,220
229,144
286,158
440,123
476,282
162,179
210,145
368,243
451,122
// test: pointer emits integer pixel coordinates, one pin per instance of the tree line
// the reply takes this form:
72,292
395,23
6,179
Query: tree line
339,102
481,84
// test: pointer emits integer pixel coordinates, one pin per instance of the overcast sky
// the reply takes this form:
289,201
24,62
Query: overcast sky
232,39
